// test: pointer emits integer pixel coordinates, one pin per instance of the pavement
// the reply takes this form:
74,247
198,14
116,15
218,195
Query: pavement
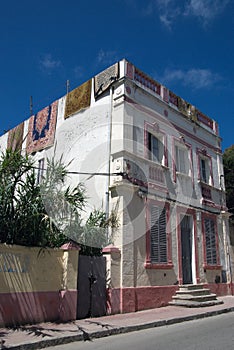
47,334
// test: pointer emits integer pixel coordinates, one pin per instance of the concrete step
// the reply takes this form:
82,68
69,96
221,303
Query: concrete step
198,298
189,303
194,295
203,291
191,286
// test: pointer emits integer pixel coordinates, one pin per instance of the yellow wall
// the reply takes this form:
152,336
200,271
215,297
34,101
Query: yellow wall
24,269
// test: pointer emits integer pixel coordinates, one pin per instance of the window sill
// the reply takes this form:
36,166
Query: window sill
205,184
166,266
212,267
212,187
156,163
183,175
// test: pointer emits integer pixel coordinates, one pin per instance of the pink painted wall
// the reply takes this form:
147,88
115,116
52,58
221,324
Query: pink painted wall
34,307
140,298
221,289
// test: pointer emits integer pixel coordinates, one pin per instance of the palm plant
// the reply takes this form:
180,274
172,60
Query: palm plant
50,213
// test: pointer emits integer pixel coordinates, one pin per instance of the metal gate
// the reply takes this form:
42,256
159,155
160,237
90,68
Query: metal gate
91,286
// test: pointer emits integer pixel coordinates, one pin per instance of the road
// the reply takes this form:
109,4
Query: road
213,333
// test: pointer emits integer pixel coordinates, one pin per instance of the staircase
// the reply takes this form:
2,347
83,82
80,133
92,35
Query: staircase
194,295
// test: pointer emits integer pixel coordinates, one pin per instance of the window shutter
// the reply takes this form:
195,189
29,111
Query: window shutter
155,149
203,170
211,254
158,235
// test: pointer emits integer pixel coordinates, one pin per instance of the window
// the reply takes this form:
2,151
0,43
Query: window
154,146
210,240
158,236
40,171
182,160
205,173
204,170
138,140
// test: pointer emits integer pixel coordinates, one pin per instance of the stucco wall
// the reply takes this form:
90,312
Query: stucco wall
137,111
37,284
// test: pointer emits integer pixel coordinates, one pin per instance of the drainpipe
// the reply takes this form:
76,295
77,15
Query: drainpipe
109,156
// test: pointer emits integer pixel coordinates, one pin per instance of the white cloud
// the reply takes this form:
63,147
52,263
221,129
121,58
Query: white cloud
48,63
168,11
196,78
78,71
205,9
107,57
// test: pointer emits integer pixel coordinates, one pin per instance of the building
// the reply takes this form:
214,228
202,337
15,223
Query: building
161,165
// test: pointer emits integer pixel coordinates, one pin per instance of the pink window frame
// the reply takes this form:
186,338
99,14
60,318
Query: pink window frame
177,141
203,154
148,263
154,128
192,213
205,265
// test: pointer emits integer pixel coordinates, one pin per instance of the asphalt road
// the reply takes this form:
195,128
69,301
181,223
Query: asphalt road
213,333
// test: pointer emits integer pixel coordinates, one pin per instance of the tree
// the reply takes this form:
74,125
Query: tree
46,214
228,162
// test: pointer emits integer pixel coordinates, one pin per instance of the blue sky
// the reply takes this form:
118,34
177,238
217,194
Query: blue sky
187,45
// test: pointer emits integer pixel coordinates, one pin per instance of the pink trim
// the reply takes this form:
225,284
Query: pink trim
173,159
191,212
211,204
155,127
159,266
192,136
129,70
176,140
191,162
148,263
158,187
202,118
212,267
168,96
170,124
70,246
146,81
200,153
110,249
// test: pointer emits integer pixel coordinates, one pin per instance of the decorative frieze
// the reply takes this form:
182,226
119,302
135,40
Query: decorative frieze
146,81
156,174
187,109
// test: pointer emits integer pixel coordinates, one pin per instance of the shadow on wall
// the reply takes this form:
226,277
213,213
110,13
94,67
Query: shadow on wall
33,285
231,226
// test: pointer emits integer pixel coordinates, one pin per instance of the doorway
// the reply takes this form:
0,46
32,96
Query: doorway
91,286
186,249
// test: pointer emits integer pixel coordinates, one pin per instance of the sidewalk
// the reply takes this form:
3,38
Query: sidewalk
50,334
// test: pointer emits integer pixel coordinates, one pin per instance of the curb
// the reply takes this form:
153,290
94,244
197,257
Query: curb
114,331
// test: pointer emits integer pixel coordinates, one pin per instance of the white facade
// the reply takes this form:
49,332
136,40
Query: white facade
164,161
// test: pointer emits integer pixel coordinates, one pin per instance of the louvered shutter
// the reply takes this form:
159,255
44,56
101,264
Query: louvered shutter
158,235
211,254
